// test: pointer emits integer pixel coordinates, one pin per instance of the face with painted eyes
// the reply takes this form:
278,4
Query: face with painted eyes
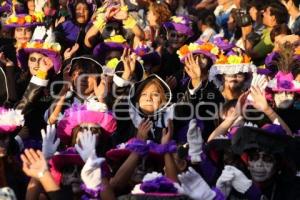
34,62
261,165
284,100
152,97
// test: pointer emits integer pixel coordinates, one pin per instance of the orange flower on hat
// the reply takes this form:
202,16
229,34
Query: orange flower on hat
21,20
38,45
247,59
207,47
222,59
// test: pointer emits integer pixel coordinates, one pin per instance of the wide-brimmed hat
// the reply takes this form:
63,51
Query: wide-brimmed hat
247,138
89,113
88,58
49,49
206,48
148,55
10,120
223,44
234,62
24,20
115,43
181,24
284,82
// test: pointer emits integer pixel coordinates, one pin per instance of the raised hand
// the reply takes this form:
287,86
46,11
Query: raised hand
240,182
50,145
45,64
259,99
69,52
91,173
39,4
87,144
193,69
129,61
143,129
194,186
59,21
34,163
195,140
224,182
5,61
167,134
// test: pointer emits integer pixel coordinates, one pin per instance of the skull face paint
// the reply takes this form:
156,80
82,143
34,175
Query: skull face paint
261,166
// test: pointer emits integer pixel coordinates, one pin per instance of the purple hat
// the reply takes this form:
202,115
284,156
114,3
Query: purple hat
182,24
284,82
89,113
102,49
148,55
223,44
23,20
10,120
49,49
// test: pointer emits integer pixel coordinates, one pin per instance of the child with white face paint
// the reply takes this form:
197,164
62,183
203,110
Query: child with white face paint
261,165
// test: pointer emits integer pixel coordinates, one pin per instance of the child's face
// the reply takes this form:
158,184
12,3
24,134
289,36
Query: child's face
34,62
83,83
150,99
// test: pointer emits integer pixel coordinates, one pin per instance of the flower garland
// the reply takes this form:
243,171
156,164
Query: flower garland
42,45
24,19
193,47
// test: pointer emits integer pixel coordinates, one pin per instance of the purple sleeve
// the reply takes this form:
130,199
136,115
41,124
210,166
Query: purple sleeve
219,194
253,193
207,168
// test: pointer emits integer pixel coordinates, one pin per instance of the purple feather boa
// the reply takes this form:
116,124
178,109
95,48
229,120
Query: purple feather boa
170,147
95,193
160,184
138,146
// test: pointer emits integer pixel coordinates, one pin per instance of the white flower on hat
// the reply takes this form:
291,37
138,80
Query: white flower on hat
12,118
151,176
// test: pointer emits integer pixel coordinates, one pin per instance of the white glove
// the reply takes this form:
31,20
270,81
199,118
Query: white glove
88,144
193,185
39,33
259,81
91,173
50,145
224,182
240,182
195,140
39,4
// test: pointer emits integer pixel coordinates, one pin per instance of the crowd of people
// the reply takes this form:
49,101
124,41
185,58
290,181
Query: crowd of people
150,99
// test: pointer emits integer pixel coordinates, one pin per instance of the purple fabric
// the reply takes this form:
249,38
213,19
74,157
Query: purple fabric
6,7
253,193
160,184
138,146
207,168
274,129
269,60
219,194
223,44
181,28
93,192
71,30
170,147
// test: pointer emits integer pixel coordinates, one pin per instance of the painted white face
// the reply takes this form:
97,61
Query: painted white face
261,166
283,100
